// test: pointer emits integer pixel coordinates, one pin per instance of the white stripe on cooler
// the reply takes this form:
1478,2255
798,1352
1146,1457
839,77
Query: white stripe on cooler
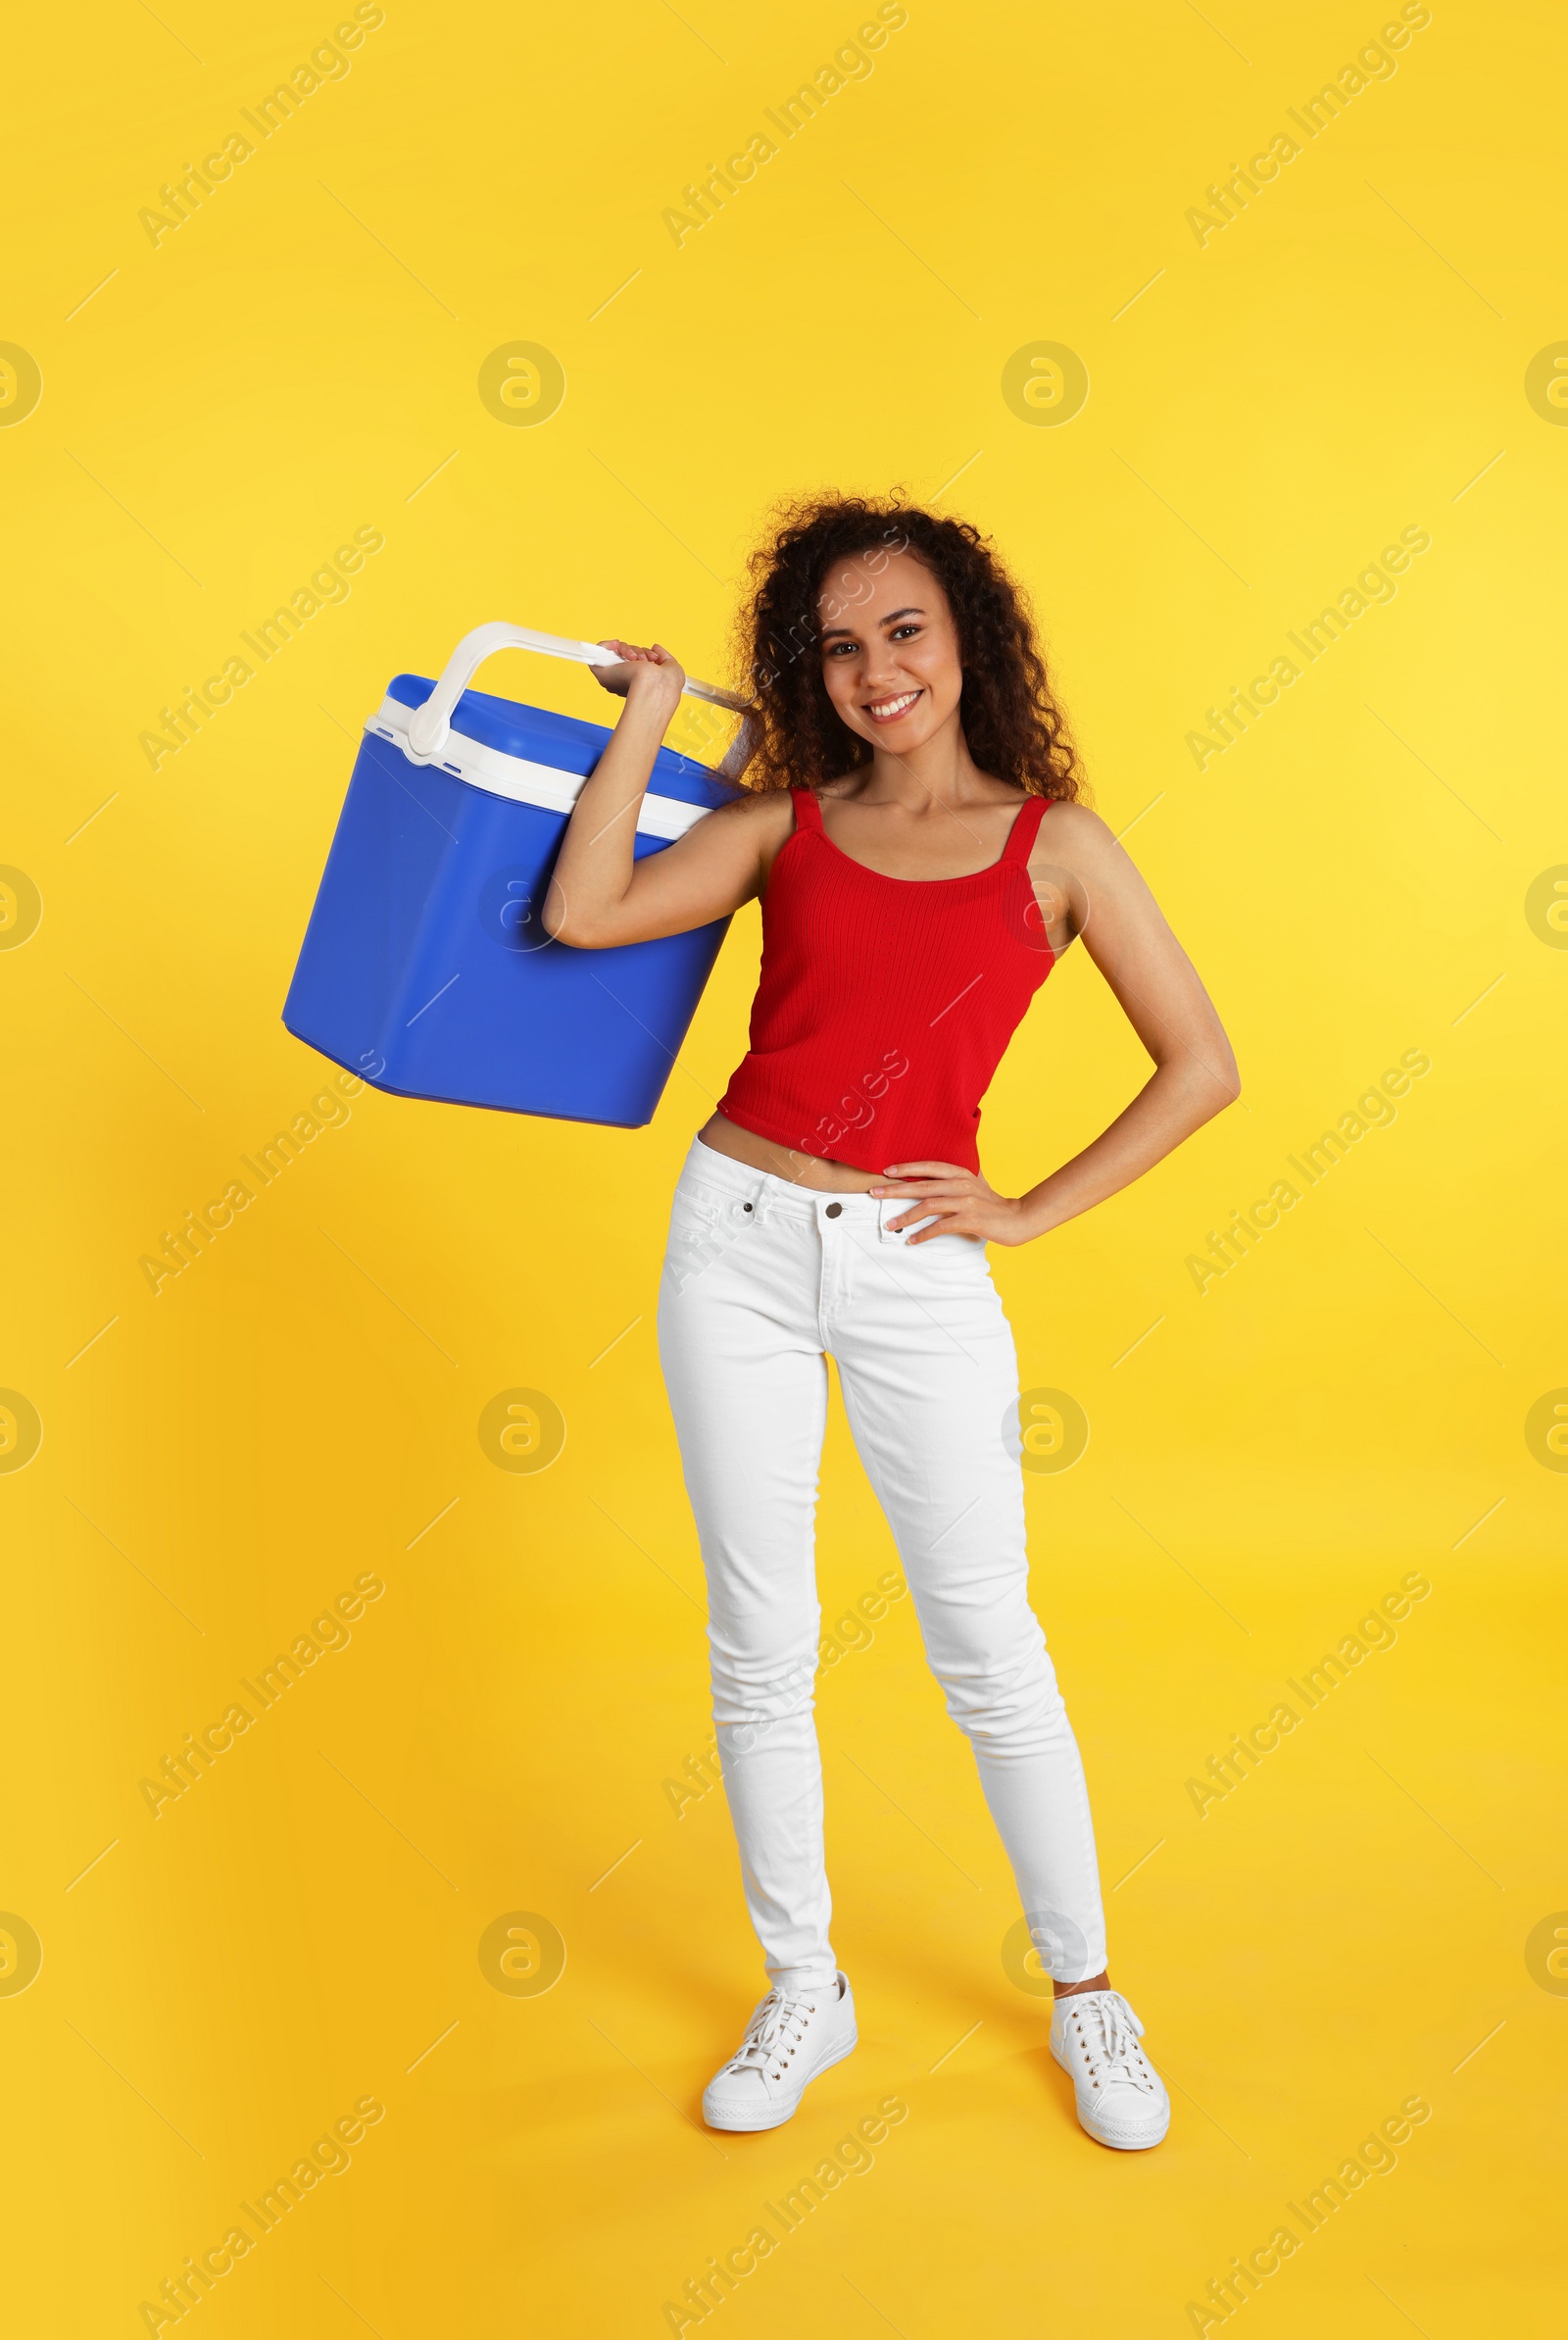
525,783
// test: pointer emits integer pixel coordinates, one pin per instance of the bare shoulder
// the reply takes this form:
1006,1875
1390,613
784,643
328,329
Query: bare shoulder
1073,837
756,823
767,811
743,836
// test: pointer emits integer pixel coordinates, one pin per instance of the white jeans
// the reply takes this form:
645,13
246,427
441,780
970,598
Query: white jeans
763,1280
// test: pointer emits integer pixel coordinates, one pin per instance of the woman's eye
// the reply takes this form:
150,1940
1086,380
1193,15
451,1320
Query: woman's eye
902,633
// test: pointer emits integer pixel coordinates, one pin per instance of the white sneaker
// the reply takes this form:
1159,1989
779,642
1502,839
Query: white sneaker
1121,2097
788,2042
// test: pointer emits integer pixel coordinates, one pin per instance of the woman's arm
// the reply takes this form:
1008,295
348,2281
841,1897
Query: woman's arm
1195,1073
599,896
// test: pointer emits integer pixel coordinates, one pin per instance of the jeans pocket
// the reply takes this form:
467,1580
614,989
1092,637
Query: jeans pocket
702,1223
889,1207
961,1248
953,1264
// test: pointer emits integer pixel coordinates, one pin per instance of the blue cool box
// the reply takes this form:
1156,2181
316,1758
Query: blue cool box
425,968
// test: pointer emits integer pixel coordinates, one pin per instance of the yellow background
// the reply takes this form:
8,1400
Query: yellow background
219,414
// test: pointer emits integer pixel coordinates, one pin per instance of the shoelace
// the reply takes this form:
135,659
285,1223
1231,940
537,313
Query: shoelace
1111,2039
777,2019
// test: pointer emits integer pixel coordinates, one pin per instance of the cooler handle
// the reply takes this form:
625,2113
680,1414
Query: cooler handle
429,725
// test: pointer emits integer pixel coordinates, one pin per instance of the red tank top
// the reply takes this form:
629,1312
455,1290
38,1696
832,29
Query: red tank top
885,1003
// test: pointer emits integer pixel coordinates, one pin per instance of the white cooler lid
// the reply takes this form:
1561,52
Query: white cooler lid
524,781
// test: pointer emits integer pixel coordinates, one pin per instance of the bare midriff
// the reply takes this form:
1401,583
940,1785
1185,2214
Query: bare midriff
724,1136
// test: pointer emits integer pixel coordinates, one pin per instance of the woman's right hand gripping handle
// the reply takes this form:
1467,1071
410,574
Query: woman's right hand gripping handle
599,895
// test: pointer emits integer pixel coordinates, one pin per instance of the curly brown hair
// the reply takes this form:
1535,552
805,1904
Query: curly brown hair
1013,727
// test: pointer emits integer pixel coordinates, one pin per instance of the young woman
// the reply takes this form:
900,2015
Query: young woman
910,824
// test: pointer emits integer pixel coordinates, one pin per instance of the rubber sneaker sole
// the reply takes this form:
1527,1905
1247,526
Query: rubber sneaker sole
1140,2140
774,2115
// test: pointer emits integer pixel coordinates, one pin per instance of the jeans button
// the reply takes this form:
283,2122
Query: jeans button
835,1210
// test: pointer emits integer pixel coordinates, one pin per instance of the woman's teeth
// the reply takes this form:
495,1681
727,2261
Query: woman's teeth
886,711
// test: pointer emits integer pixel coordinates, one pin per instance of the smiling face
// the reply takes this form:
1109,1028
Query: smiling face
890,651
